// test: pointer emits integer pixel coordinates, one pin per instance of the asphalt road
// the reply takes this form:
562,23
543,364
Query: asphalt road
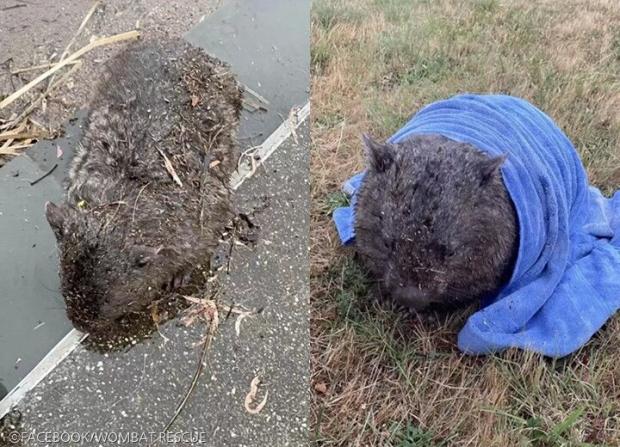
137,391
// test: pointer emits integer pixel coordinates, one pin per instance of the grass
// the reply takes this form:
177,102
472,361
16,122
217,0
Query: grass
384,378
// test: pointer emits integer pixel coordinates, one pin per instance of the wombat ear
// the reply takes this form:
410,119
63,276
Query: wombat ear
56,218
379,155
491,167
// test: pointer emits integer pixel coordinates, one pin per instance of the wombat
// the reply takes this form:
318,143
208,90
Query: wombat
434,222
147,195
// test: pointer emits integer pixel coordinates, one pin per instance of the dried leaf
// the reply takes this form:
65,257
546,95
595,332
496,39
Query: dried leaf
249,398
321,388
240,318
154,314
192,299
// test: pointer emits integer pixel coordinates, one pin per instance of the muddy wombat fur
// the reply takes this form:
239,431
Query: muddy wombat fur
129,234
434,222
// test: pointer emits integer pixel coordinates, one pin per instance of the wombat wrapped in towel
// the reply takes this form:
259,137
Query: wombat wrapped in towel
566,279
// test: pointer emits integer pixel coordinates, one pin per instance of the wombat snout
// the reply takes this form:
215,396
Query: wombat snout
411,297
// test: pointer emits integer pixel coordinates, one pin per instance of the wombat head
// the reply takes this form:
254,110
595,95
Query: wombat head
111,265
434,222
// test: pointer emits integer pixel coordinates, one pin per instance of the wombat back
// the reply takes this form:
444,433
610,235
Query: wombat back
434,222
148,194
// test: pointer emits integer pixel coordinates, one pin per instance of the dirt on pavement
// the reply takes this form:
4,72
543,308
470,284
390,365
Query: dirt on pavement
35,32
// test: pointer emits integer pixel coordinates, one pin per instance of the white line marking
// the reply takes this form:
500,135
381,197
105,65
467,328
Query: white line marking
43,368
272,142
73,339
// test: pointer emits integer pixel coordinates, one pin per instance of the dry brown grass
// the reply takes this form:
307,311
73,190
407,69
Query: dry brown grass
382,378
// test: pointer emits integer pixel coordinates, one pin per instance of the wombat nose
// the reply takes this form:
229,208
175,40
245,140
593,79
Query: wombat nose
412,297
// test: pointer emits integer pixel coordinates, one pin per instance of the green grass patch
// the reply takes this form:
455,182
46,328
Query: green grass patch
326,14
350,285
329,120
385,118
431,68
615,45
411,435
320,56
537,433
486,7
334,200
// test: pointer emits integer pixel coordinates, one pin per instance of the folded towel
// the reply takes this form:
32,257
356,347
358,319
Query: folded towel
566,280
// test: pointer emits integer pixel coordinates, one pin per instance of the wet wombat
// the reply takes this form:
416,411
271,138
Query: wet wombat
434,222
148,195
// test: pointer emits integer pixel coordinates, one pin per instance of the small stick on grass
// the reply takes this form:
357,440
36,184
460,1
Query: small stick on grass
34,182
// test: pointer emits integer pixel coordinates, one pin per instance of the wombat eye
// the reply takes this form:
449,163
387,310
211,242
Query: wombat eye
441,249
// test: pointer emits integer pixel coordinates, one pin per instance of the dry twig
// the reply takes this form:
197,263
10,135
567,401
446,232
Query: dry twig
96,43
40,98
9,141
53,168
170,169
37,67
28,135
211,317
256,95
75,36
11,150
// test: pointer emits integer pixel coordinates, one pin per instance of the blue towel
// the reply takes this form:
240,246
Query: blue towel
566,280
